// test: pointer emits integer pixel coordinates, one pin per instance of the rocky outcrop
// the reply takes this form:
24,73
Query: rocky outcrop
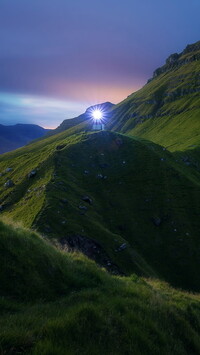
90,248
32,174
9,184
87,199
177,60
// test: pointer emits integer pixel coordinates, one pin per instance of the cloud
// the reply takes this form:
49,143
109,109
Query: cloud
88,51
45,111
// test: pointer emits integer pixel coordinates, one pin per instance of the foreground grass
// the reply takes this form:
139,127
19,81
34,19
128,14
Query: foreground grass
55,303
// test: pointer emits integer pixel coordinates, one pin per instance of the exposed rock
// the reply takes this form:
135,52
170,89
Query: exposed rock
172,58
90,248
176,60
104,165
185,159
157,221
61,146
122,247
9,184
63,200
87,199
8,170
32,174
83,208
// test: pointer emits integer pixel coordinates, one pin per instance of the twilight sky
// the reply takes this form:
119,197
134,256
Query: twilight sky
57,57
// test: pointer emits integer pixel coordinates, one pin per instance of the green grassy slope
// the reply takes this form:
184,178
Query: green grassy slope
166,110
31,269
143,216
55,303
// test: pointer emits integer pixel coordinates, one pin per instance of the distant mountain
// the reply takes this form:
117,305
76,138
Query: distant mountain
16,136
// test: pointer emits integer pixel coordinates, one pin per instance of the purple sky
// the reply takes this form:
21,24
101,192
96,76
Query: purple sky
57,57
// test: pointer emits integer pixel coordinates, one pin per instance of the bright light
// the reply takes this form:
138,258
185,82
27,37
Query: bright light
97,114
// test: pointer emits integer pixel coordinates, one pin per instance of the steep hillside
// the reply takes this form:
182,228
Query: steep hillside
16,136
56,303
166,110
127,203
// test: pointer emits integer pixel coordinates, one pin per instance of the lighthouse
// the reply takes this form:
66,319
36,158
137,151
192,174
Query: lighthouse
98,124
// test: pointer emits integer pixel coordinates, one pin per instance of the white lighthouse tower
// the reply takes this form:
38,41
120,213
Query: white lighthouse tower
98,124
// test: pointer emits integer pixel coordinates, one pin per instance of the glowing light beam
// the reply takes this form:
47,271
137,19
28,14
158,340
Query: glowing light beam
97,115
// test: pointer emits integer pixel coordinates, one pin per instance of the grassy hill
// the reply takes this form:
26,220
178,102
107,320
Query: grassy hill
166,110
57,303
124,202
129,200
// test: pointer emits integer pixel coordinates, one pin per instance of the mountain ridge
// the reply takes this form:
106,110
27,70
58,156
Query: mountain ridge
178,59
18,135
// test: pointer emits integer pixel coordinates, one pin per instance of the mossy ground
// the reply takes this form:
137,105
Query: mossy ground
56,303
